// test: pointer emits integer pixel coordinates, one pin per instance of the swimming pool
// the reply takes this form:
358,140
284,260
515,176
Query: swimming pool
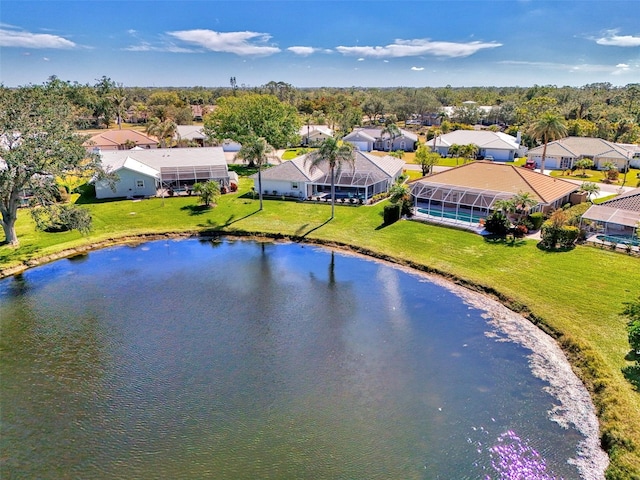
461,216
620,239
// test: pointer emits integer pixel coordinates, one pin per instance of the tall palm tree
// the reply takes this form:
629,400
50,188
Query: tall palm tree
392,130
335,154
549,127
256,151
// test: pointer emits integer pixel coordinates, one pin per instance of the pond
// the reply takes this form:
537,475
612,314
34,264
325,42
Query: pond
234,359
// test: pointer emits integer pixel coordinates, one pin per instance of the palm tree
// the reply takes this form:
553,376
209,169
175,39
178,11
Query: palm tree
257,152
165,130
547,128
590,189
335,154
393,131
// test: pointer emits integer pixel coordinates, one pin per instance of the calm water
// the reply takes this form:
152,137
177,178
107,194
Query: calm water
232,360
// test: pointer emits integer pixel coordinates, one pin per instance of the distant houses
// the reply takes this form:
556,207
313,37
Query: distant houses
497,145
124,139
367,139
564,153
313,135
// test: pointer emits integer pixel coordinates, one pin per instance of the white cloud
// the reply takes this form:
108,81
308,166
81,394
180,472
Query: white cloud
412,48
361,59
239,43
612,39
46,59
304,51
579,67
22,39
417,69
147,47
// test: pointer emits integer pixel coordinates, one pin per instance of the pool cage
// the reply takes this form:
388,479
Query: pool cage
614,224
455,203
353,184
183,177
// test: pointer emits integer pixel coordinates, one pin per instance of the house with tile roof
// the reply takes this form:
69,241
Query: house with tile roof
564,153
618,217
367,139
295,178
120,140
142,172
499,145
468,193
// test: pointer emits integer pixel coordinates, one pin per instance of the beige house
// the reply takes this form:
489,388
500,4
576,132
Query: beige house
564,153
120,140
468,193
311,135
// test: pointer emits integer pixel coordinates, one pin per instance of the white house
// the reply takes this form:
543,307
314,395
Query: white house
295,178
500,146
311,135
564,153
141,172
370,138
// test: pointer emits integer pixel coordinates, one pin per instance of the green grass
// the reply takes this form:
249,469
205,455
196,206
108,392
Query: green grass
575,295
596,176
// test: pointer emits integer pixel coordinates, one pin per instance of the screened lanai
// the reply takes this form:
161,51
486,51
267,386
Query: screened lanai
457,203
354,184
611,221
183,176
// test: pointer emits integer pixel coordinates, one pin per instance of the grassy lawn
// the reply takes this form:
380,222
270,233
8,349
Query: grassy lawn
596,176
575,295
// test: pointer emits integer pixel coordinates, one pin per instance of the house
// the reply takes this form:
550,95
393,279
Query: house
500,146
311,135
120,140
294,178
618,217
564,153
142,172
468,193
367,139
191,133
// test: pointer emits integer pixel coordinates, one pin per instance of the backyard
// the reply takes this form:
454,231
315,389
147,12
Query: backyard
577,296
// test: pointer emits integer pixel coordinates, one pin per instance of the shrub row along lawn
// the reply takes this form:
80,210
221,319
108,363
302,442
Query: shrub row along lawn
577,295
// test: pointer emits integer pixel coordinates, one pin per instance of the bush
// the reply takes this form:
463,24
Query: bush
536,219
62,218
558,236
497,223
568,236
391,213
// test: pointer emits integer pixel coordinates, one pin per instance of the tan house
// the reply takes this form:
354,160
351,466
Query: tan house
120,140
468,193
564,153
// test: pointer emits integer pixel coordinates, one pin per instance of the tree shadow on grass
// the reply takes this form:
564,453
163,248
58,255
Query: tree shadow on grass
196,209
632,372
230,221
313,229
506,241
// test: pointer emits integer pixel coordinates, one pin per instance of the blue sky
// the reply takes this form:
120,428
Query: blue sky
310,43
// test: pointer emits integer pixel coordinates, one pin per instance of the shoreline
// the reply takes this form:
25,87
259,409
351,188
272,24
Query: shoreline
491,299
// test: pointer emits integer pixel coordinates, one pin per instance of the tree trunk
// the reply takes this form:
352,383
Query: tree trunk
544,156
333,192
9,227
260,184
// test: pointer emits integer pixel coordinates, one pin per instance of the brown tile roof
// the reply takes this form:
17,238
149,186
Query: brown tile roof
502,177
111,138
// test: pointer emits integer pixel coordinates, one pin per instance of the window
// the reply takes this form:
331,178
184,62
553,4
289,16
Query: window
294,185
139,183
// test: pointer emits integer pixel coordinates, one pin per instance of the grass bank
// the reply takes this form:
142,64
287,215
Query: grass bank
576,296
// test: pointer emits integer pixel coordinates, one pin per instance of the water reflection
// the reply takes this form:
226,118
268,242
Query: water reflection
258,360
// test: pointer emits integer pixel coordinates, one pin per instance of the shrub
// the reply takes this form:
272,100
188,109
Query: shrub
497,223
391,213
568,236
61,218
536,219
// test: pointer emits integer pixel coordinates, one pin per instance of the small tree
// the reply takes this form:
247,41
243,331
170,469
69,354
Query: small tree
61,218
632,312
208,191
583,164
426,159
399,194
590,189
